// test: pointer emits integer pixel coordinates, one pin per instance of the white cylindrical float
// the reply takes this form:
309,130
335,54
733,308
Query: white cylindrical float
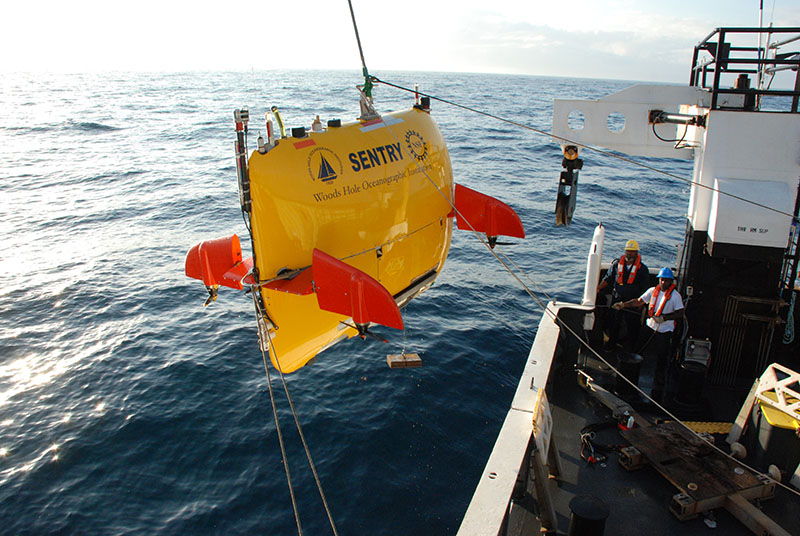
593,266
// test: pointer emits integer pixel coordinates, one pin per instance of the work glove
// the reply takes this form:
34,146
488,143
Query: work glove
617,306
659,319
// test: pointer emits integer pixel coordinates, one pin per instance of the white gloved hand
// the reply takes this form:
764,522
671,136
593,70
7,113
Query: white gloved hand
659,319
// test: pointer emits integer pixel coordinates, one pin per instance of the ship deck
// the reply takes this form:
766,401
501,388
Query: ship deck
639,497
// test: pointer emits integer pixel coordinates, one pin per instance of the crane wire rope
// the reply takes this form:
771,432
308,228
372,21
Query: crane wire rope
311,463
284,459
367,78
546,310
260,314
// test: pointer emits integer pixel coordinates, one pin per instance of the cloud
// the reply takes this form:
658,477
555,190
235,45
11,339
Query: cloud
498,45
628,39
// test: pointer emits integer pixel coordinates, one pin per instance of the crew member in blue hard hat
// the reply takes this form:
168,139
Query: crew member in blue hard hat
664,307
627,278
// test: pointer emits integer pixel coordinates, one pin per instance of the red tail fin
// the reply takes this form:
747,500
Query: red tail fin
218,262
486,214
349,291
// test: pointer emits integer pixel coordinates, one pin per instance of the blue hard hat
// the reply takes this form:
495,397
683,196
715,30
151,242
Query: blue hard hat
666,273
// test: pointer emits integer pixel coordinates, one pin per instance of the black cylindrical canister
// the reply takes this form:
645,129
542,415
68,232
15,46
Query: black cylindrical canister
691,376
588,517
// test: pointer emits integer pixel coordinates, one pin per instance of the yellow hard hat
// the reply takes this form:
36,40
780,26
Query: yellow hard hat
631,245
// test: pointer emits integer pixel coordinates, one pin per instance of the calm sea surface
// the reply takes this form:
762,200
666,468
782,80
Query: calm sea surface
126,407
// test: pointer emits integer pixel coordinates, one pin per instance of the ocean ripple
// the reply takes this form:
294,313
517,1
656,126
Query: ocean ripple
127,407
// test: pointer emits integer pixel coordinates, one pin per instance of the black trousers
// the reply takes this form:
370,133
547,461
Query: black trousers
660,344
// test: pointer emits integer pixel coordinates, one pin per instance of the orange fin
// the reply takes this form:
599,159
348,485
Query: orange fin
486,214
346,290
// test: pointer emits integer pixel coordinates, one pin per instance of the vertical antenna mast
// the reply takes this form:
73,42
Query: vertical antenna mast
760,25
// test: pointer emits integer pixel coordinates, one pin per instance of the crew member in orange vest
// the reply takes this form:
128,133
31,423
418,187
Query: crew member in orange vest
664,307
628,278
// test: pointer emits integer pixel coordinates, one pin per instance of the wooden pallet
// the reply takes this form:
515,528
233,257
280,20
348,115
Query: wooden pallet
706,479
403,360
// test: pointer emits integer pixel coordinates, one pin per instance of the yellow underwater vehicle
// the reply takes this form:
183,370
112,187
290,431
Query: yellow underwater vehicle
348,223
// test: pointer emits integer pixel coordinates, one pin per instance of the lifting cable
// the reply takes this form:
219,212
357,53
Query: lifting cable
270,346
368,84
547,311
303,438
260,315
585,146
284,459
367,78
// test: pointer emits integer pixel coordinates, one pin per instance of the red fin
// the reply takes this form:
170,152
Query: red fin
486,214
235,277
218,262
349,291
300,284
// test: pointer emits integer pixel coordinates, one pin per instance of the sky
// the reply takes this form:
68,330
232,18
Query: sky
648,40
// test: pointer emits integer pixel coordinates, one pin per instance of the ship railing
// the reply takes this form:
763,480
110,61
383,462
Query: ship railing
763,61
525,452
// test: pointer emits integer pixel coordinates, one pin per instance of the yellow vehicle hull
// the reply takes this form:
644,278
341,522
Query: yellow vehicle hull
376,195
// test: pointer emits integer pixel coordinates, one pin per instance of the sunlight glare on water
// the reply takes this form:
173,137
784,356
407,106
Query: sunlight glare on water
128,407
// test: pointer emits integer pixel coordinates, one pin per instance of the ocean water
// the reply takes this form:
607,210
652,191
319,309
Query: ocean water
126,407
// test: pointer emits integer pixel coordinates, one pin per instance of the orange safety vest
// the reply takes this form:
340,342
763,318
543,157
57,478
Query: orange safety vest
621,270
654,300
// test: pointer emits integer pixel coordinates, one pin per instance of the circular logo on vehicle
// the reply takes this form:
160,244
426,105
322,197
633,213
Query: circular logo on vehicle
416,144
324,165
